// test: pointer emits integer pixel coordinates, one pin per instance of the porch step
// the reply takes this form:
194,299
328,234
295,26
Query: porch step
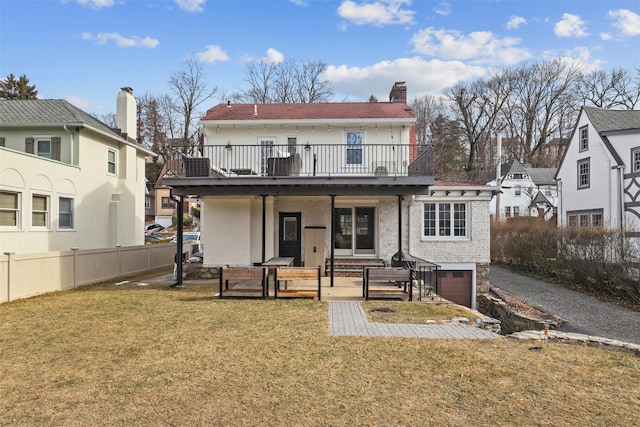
351,267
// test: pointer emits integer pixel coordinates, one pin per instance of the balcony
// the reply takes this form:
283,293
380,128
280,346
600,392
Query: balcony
301,170
328,160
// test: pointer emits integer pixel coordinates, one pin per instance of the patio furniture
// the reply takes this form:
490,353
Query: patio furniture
297,274
246,274
397,275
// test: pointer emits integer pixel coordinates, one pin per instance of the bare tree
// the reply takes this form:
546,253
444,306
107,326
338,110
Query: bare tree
426,109
477,106
289,81
191,92
615,89
538,95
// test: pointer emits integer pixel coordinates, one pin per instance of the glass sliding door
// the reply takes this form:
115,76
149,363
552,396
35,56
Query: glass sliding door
355,231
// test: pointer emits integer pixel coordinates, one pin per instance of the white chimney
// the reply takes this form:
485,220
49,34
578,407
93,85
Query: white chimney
126,113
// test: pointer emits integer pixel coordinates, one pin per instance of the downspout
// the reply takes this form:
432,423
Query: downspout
333,235
400,224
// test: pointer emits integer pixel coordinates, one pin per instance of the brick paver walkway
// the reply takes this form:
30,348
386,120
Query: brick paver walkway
349,319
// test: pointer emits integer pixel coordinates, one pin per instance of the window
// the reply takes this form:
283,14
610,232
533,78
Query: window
292,143
583,133
43,148
517,190
39,211
65,213
147,202
9,209
517,176
583,173
507,211
445,220
111,162
516,211
635,160
354,148
168,203
586,219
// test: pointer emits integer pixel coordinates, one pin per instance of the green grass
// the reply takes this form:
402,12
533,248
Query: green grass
131,355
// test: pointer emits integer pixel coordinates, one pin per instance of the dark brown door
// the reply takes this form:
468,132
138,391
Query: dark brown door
455,286
289,237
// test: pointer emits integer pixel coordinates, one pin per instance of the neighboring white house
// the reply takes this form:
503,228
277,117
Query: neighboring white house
524,191
68,180
599,176
332,184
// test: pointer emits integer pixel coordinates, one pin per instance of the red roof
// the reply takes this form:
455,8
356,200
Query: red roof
312,111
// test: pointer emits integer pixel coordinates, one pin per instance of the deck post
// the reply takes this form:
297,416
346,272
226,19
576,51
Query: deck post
333,235
179,236
399,223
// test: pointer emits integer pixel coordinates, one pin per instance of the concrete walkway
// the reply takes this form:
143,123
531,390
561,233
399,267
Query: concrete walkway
349,319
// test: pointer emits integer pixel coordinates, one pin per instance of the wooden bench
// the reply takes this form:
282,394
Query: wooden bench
387,274
297,273
238,274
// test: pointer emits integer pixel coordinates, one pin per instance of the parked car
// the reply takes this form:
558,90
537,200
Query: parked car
151,229
187,236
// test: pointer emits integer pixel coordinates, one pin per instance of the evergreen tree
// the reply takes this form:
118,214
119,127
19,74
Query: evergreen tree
17,88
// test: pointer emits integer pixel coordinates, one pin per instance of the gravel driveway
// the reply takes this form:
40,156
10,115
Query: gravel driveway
583,313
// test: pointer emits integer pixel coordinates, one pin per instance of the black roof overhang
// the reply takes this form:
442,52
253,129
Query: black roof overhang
299,186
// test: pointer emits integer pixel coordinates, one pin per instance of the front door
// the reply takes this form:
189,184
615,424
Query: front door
355,230
289,237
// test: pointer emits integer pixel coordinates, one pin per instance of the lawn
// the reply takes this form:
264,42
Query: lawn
133,355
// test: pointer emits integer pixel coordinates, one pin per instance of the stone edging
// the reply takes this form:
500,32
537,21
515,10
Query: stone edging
573,338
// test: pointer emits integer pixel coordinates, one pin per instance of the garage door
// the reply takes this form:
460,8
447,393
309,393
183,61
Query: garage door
455,286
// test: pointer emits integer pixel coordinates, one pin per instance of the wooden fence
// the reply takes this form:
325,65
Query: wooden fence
26,275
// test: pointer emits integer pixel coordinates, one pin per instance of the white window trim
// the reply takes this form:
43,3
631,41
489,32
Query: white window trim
20,209
73,213
355,167
47,226
115,162
467,224
37,138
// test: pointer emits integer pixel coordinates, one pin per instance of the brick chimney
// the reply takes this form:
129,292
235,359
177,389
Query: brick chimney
126,113
398,93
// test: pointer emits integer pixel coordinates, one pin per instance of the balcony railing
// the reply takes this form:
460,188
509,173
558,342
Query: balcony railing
324,160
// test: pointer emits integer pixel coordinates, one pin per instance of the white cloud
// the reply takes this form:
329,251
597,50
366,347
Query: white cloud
481,46
626,21
570,26
605,36
300,2
443,9
96,4
424,77
213,54
579,56
381,12
82,103
515,22
273,57
191,5
121,41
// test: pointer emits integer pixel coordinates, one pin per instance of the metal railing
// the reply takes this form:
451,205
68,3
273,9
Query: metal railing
319,160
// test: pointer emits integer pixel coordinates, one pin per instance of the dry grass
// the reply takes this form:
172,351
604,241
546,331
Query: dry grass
418,313
131,355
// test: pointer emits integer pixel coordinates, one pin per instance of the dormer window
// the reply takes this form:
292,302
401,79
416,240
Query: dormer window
583,134
517,176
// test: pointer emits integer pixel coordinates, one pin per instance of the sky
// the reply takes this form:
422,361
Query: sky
84,51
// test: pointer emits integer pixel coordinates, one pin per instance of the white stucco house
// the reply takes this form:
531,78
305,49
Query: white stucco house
67,180
599,176
335,185
524,191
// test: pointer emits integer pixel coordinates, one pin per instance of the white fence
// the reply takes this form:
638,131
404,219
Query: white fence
26,275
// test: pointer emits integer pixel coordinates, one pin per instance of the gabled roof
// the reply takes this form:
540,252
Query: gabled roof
613,120
310,111
542,176
540,199
512,166
47,112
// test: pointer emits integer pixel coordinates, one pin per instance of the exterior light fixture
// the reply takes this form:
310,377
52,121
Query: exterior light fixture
228,146
307,147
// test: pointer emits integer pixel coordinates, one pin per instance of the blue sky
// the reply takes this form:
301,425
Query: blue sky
85,50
